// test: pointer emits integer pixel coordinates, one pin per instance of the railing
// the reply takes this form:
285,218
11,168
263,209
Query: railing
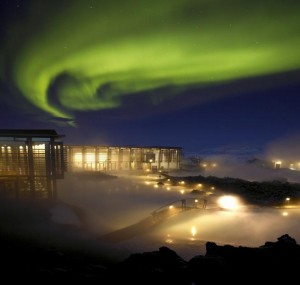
178,206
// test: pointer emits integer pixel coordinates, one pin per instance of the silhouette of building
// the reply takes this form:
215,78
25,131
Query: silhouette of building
30,163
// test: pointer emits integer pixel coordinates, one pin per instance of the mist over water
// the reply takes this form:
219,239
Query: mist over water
113,204
88,209
249,168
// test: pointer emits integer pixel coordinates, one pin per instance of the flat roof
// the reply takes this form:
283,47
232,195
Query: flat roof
37,133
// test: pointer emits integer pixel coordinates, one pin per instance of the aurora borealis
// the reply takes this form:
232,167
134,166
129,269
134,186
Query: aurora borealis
66,58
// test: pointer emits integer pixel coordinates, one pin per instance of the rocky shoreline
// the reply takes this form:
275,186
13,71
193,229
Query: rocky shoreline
270,262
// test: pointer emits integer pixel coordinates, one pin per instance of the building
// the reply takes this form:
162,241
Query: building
118,158
30,163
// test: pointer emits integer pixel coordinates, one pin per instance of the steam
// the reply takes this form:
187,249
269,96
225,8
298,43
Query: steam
284,149
89,208
115,204
259,167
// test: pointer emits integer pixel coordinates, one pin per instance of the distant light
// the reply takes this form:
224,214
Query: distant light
38,146
277,164
228,202
193,231
171,207
169,239
182,191
285,214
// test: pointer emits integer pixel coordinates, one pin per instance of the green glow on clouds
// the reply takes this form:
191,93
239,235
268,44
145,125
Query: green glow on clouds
102,51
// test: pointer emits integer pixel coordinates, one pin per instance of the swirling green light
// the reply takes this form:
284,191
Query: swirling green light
110,49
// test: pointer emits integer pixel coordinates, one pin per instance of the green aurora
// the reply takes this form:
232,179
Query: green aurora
70,56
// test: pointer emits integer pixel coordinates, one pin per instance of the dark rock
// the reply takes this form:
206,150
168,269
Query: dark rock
207,269
157,267
272,262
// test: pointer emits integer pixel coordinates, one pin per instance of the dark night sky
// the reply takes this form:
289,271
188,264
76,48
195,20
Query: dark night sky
203,75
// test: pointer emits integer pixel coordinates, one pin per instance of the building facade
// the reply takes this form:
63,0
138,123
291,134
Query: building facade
30,163
118,158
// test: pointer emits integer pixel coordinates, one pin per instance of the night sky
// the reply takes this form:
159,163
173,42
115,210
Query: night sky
204,75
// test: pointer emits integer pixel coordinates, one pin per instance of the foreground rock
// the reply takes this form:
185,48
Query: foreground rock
270,263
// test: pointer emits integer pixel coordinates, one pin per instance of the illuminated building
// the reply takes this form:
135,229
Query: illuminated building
32,160
110,158
30,163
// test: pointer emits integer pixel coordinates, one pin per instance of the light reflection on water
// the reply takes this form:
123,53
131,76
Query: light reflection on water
118,203
247,228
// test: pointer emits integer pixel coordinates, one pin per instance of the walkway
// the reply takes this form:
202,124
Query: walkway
155,218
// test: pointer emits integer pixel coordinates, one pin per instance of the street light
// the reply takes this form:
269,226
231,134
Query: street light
150,161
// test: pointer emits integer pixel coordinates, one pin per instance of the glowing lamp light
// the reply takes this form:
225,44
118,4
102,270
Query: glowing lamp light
193,231
169,239
277,164
228,202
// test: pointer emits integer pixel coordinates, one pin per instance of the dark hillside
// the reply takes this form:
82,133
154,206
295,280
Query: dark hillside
268,193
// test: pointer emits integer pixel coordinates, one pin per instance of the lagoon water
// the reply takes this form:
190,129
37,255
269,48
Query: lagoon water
109,205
